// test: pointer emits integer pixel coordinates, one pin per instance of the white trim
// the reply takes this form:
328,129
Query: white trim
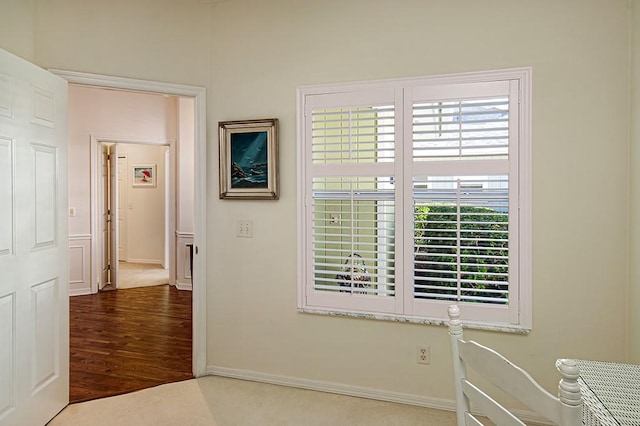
184,234
184,286
417,320
525,157
73,237
357,391
459,78
81,292
200,192
147,261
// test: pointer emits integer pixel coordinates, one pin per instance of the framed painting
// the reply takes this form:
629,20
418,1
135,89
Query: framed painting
249,159
144,176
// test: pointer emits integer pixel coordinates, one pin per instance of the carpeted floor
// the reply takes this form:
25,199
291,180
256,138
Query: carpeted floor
220,401
141,275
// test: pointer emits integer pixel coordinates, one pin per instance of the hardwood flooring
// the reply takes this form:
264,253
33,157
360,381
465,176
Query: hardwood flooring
126,340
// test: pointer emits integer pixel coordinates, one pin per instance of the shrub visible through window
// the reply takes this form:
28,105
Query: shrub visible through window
461,254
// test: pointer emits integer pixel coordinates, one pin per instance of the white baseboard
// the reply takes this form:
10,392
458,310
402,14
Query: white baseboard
184,286
338,388
357,391
150,261
80,292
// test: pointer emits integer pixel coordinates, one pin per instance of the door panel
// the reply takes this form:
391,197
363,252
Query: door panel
7,362
123,203
103,203
34,293
45,317
113,210
6,194
44,160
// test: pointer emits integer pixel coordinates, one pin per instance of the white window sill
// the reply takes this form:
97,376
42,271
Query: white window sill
417,320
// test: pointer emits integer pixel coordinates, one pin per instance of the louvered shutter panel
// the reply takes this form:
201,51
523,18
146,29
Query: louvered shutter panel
352,207
461,197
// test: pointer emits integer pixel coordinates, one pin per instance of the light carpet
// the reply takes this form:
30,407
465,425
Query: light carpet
221,401
132,275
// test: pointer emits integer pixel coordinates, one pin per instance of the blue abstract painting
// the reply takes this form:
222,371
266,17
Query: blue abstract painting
249,160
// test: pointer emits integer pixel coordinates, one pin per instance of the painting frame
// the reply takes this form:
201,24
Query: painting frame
249,159
144,176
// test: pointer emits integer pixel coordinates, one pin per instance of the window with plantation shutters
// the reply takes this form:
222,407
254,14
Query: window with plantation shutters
414,194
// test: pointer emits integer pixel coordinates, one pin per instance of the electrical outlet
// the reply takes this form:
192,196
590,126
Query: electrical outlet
423,355
244,229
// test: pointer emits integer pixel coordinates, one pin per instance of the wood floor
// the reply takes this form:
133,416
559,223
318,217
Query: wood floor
127,340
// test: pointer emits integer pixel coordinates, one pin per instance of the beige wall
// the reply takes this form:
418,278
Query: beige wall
145,206
579,54
17,27
634,254
162,40
251,55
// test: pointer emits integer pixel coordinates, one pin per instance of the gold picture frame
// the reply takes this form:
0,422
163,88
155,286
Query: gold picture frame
249,159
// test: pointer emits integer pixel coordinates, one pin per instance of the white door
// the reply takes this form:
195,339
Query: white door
34,282
123,202
170,212
105,217
113,210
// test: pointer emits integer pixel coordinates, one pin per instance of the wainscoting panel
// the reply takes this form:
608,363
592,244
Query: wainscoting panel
79,265
183,264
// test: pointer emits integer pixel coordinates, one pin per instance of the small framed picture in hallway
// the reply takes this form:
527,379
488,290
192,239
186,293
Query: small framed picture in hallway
144,175
249,159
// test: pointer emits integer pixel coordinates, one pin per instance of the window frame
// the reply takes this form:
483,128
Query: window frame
519,169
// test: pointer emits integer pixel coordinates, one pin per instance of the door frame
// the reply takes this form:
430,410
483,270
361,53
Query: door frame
97,185
199,272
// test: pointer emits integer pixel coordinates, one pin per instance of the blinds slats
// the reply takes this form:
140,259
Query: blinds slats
461,238
466,129
362,134
353,243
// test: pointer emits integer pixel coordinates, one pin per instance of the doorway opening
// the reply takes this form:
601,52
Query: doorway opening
137,221
197,267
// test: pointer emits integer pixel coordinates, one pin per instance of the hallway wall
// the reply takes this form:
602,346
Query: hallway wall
145,214
109,115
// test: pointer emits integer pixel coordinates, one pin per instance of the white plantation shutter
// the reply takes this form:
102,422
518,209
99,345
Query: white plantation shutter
351,206
415,196
462,138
